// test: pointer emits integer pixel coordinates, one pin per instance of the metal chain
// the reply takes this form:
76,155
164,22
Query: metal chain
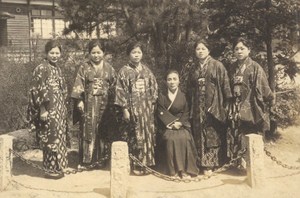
232,162
67,172
280,163
186,180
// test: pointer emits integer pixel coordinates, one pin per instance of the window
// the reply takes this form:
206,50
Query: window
42,28
44,25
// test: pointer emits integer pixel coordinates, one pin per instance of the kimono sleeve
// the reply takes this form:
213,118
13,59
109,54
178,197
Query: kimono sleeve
226,89
79,84
40,92
122,90
112,86
263,90
153,87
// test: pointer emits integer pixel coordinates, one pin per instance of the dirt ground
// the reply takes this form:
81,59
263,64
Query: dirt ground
29,182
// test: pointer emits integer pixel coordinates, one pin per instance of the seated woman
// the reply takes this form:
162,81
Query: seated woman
177,142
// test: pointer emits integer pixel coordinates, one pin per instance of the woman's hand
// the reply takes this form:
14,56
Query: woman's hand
80,106
126,114
176,125
43,114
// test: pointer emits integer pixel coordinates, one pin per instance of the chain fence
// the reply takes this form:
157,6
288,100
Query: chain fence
148,170
134,159
198,178
67,172
280,163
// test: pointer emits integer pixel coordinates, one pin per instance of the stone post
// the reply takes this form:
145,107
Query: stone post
120,169
255,160
6,143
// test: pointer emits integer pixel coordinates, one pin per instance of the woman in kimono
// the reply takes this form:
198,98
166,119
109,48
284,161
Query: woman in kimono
136,94
178,145
252,95
93,93
48,112
209,91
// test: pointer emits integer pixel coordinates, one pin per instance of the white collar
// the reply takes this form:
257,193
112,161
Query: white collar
171,95
204,62
98,66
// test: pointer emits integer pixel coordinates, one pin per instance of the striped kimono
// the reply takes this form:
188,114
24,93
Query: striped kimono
96,89
139,99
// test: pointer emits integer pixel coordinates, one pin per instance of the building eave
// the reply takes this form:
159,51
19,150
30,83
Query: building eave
6,15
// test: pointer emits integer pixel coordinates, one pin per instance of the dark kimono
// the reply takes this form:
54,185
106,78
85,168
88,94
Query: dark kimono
249,110
139,99
96,89
178,147
49,90
209,91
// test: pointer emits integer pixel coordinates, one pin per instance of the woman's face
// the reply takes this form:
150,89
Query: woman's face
136,55
53,55
201,51
96,54
241,51
172,81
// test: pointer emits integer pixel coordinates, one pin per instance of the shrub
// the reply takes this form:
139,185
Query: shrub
15,78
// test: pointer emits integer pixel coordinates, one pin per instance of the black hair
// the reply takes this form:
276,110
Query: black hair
52,44
94,43
204,42
171,71
243,40
132,46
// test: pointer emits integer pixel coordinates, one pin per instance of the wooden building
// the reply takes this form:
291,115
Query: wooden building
23,22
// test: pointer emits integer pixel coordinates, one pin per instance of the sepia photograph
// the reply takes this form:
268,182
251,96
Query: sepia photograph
149,98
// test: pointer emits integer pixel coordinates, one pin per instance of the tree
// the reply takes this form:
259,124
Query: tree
86,15
163,24
265,21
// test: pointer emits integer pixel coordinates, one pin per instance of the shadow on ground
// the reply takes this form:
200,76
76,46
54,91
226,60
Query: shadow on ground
103,191
27,167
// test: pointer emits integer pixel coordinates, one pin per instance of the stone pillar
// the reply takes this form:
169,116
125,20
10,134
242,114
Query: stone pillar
6,143
119,171
255,160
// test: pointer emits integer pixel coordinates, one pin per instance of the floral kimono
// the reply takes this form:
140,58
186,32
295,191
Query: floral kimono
96,89
209,90
178,147
139,99
49,90
248,112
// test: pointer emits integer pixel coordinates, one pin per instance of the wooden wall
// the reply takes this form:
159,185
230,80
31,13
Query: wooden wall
18,31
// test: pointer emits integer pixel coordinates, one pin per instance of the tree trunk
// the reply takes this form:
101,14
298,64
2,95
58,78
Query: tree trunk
268,40
271,71
188,27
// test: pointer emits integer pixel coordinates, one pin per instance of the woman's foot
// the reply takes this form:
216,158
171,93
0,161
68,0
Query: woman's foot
176,176
81,167
208,172
137,170
185,176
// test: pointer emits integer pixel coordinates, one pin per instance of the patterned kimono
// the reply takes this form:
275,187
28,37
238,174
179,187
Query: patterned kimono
177,144
248,112
95,87
49,90
139,99
209,91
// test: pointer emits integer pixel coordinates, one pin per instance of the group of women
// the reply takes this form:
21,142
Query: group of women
183,133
